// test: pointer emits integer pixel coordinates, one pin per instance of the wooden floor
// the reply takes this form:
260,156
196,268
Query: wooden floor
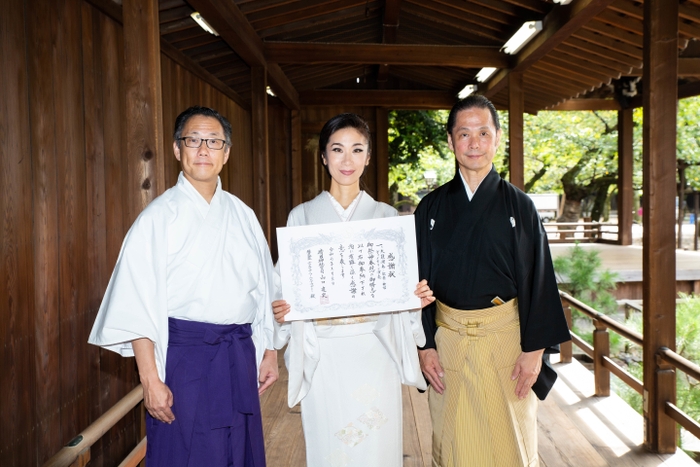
626,261
575,428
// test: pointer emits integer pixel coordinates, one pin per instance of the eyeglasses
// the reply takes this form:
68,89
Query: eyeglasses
192,142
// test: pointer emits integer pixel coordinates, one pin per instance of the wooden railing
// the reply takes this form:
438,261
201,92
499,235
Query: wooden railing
582,232
603,365
77,452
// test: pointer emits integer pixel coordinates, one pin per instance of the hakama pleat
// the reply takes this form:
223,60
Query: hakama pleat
211,372
479,421
352,415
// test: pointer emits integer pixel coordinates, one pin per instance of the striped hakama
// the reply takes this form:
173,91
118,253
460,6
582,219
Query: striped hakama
479,421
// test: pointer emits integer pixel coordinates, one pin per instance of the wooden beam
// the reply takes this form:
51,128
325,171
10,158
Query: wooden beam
625,169
381,157
461,56
144,103
282,87
261,165
516,109
234,28
689,67
379,98
558,26
659,251
588,104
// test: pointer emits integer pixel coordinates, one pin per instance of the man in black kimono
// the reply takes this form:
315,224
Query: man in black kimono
484,252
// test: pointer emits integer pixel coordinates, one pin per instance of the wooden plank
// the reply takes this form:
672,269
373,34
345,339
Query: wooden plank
558,26
42,31
625,167
659,140
17,309
297,154
367,10
560,443
143,102
391,54
516,109
380,98
72,221
201,73
307,13
261,169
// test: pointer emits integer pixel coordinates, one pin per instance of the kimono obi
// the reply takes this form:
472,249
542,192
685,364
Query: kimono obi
478,323
357,319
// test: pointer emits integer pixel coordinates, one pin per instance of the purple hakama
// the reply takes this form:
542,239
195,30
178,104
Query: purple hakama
212,374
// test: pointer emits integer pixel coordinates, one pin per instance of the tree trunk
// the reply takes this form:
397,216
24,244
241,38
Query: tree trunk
570,213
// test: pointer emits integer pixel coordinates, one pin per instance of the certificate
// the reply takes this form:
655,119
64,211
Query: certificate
349,268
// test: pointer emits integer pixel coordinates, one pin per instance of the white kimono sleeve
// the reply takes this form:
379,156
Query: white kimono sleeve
135,302
263,327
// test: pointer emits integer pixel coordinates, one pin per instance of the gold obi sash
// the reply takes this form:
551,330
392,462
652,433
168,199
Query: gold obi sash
477,323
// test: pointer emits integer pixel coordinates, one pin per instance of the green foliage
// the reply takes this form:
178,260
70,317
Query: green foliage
687,345
688,139
578,274
418,142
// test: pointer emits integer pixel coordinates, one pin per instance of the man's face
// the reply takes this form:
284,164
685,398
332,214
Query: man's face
474,141
201,165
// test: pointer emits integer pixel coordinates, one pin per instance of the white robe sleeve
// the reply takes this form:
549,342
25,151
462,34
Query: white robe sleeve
135,302
263,327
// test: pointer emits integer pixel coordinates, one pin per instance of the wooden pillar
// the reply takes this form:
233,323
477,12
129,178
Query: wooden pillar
381,158
659,256
516,109
297,151
625,168
144,102
261,161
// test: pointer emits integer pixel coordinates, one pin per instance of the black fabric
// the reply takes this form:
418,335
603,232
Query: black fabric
492,246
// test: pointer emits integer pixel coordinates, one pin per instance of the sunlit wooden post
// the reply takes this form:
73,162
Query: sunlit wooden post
625,167
567,348
601,348
516,109
659,258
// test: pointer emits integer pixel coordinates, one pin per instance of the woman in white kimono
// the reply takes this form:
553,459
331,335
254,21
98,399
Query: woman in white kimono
347,372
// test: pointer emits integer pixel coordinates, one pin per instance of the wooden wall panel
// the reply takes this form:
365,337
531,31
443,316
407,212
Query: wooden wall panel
279,145
17,409
42,33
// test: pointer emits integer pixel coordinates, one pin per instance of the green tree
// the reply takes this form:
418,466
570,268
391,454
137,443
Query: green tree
417,142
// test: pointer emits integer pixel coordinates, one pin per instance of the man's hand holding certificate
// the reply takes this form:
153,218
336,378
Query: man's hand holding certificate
349,268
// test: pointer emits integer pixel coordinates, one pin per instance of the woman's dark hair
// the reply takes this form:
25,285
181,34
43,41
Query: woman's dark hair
195,110
470,102
346,120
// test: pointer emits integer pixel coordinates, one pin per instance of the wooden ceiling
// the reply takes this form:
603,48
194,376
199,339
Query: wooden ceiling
421,53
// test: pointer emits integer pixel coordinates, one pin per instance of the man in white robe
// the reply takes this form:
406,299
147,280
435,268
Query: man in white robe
190,299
